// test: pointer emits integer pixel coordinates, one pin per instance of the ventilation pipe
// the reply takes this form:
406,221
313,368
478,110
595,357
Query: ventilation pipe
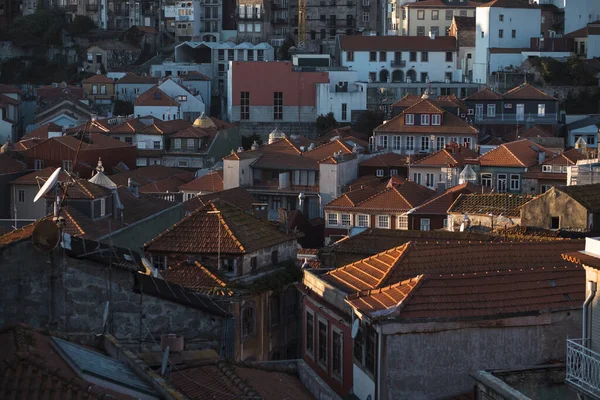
591,289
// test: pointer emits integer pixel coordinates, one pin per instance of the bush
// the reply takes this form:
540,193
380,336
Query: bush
248,140
325,123
123,107
368,121
573,72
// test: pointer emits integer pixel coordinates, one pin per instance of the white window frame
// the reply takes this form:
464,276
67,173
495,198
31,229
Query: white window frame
379,173
402,222
409,119
425,143
190,143
429,180
381,218
102,207
67,165
520,114
516,179
348,221
382,141
546,168
38,164
177,144
425,223
478,111
410,143
436,119
541,110
21,195
363,220
491,110
499,179
417,177
396,142
424,119
330,219
467,142
440,142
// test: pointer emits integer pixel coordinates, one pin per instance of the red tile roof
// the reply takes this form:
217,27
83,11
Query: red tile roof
4,88
238,197
16,235
397,43
43,174
352,198
6,100
439,204
520,153
484,94
133,78
98,79
509,4
389,159
170,184
453,155
475,295
509,205
211,182
195,277
42,131
155,98
145,175
96,141
533,132
526,92
10,165
441,4
129,126
241,233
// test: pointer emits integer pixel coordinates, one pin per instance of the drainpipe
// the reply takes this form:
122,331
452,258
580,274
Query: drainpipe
379,352
591,288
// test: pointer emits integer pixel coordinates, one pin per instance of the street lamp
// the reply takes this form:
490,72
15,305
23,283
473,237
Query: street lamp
217,212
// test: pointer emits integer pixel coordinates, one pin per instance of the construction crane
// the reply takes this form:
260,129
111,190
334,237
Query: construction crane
301,24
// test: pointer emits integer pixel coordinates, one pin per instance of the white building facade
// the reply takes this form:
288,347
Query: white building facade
341,96
191,107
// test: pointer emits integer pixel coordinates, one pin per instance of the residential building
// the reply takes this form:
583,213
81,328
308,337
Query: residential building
585,172
441,170
281,96
238,197
11,11
192,105
385,208
65,111
209,183
486,212
434,16
199,85
537,135
84,148
497,114
587,343
584,127
551,172
450,103
423,128
463,29
11,123
503,24
572,208
504,167
284,21
110,55
578,13
10,168
22,191
395,66
385,165
587,40
293,173
56,91
130,86
335,299
157,104
242,250
99,89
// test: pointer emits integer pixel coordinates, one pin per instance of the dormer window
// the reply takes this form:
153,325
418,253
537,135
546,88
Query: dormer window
546,168
410,119
436,119
424,119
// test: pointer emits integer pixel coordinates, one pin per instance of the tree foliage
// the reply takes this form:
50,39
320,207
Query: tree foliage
368,121
573,72
325,123
81,24
123,107
45,26
248,140
284,51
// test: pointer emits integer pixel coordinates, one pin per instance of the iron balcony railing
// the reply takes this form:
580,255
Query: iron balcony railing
398,63
500,117
583,367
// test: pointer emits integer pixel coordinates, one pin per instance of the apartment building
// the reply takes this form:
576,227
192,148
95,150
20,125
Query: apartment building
433,16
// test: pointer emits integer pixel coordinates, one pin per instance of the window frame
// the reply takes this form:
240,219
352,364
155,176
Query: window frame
541,110
488,178
425,119
322,351
348,222
515,178
409,119
435,15
491,110
21,196
244,105
248,306
425,143
420,15
402,222
329,219
427,225
360,219
337,375
379,173
278,106
379,220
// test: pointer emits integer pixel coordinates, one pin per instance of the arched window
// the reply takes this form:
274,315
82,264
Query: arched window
412,75
398,76
384,75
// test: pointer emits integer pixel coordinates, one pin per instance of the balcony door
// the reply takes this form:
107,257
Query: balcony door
520,112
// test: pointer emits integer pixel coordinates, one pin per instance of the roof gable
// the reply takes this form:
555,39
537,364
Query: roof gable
586,195
526,92
484,94
520,153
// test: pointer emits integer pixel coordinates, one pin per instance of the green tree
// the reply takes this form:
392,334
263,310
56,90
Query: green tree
123,107
284,51
247,141
325,123
44,25
81,24
368,121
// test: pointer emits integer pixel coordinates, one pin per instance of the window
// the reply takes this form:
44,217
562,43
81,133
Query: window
373,56
363,220
424,56
190,143
546,168
129,140
424,143
382,56
245,105
541,110
332,219
248,320
275,257
501,33
382,141
38,164
545,188
156,145
478,111
98,58
429,180
221,55
515,182
322,356
278,105
417,177
425,224
424,119
358,345
420,31
184,97
242,27
435,14
501,183
346,220
520,114
383,221
253,263
365,17
436,119
102,207
420,14
21,195
463,13
337,352
159,262
344,111
554,222
501,17
372,76
350,56
396,142
94,89
177,144
67,165
486,180
440,142
482,34
449,56
410,143
393,172
514,33
449,15
409,119
370,343
467,142
491,110
379,173
413,56
403,222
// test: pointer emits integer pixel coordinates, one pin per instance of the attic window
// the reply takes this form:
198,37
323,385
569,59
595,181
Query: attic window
409,119
546,168
424,119
436,119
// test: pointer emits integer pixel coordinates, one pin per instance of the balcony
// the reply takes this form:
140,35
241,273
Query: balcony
501,118
251,17
91,7
398,63
583,368
273,185
280,21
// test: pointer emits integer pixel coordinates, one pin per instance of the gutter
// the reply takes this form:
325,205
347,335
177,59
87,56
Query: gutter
591,287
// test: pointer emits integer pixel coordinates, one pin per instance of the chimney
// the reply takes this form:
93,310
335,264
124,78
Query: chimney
254,145
431,35
441,187
133,189
240,149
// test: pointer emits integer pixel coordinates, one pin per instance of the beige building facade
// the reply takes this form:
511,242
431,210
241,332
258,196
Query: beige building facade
433,16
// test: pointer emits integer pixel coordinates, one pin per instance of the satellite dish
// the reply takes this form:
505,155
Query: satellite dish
48,185
46,235
165,360
355,327
150,269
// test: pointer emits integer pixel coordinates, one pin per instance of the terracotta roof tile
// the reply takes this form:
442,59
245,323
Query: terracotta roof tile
425,106
129,126
441,4
509,205
142,206
397,43
133,78
397,198
451,124
146,175
170,184
509,4
98,79
4,88
389,159
10,165
520,153
42,131
439,204
453,155
155,98
484,94
241,232
16,235
365,181
352,198
586,195
195,277
238,197
6,100
476,295
465,23
43,174
211,182
526,92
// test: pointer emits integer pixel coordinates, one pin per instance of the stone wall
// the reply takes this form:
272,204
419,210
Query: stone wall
286,251
69,295
9,50
121,58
